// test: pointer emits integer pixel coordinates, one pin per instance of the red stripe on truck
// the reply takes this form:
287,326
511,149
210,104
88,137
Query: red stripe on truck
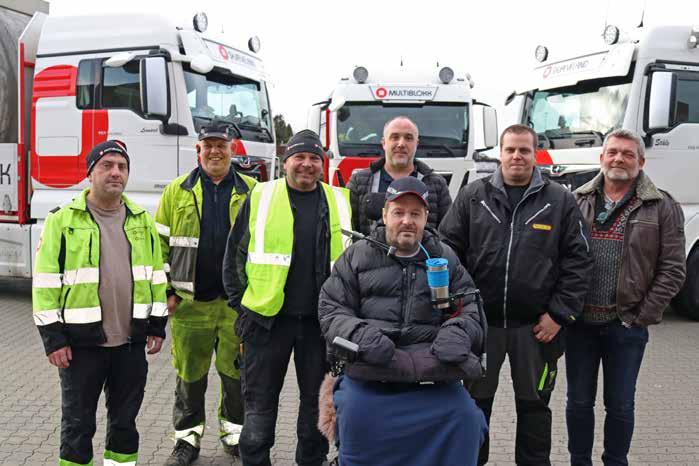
63,171
543,158
348,165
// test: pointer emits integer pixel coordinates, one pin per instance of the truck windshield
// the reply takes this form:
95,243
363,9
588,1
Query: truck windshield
580,115
239,100
443,128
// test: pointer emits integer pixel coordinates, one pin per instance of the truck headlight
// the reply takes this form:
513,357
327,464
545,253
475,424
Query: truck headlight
360,74
541,53
200,21
611,35
446,74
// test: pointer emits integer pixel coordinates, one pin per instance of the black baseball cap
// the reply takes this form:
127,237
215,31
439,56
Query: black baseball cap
107,147
216,129
407,185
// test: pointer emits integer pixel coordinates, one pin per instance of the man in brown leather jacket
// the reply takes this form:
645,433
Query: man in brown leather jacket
637,240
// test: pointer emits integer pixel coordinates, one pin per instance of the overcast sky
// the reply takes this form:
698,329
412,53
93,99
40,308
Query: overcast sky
307,46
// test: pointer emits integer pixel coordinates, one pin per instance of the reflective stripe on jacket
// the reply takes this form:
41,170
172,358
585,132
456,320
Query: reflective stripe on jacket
65,288
178,220
271,227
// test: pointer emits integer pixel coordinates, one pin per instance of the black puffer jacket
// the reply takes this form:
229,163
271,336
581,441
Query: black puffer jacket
383,304
364,182
526,260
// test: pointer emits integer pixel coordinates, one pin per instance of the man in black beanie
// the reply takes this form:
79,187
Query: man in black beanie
280,251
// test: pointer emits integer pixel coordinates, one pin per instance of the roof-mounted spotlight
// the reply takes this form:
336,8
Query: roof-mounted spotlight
200,21
541,53
446,75
611,35
360,74
254,44
693,38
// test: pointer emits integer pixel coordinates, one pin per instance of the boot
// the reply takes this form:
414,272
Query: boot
183,454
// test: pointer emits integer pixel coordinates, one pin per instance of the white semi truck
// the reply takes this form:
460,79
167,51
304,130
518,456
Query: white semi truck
350,122
645,80
138,78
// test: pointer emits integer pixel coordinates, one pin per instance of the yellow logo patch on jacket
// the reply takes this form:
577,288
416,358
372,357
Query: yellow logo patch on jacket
541,226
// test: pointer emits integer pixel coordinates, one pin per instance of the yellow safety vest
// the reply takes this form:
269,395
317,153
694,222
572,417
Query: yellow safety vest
272,240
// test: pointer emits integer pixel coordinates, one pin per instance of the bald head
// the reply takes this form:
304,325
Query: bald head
399,143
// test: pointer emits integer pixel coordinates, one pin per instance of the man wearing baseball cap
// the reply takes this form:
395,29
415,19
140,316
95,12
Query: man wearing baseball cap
195,214
280,251
99,303
412,356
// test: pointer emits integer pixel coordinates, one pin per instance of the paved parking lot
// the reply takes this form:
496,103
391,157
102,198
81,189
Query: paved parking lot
667,415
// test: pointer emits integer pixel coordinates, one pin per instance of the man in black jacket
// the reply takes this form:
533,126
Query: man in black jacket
401,402
399,141
279,253
522,239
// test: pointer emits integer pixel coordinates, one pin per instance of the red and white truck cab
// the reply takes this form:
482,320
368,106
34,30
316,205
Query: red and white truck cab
350,122
645,80
133,77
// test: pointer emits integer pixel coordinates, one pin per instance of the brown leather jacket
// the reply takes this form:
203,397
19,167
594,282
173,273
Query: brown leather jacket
653,258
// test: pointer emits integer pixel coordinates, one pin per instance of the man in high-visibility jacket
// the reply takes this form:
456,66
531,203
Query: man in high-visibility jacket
280,251
194,217
99,301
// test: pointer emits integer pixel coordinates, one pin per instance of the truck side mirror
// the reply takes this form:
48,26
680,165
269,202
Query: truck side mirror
154,87
490,127
662,88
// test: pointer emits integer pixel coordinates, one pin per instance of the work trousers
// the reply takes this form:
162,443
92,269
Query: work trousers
121,371
200,328
265,359
620,350
533,368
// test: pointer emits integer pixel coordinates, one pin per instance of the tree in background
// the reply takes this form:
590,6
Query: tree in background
282,129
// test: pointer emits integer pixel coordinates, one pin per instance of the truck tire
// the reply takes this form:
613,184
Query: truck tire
686,302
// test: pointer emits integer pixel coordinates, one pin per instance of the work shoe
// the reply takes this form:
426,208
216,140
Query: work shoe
183,454
232,450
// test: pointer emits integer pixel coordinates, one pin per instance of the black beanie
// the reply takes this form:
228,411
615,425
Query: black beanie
104,148
303,141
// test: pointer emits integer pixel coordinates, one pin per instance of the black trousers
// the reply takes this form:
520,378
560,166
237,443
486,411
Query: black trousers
264,361
121,371
533,367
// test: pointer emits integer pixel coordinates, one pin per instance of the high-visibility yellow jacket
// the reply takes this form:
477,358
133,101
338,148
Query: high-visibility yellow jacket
65,287
178,220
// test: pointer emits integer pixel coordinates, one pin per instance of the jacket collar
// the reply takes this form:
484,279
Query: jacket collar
80,203
195,176
645,189
421,167
498,182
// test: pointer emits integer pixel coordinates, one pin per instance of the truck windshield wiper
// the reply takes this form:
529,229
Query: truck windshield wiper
259,129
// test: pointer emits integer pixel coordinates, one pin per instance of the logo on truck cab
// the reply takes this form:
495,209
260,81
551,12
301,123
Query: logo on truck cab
404,92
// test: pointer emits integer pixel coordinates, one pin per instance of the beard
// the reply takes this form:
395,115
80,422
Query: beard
617,174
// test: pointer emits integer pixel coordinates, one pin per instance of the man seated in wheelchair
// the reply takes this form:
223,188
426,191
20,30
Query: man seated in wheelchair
401,298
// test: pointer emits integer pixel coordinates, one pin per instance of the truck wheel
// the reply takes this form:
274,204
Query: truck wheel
686,302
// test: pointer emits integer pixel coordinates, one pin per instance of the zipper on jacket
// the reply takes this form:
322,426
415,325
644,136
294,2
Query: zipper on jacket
133,283
403,295
99,273
490,211
624,250
409,303
536,214
196,258
509,252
